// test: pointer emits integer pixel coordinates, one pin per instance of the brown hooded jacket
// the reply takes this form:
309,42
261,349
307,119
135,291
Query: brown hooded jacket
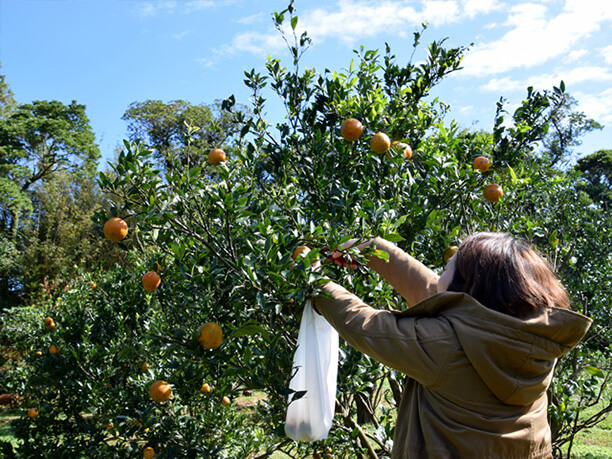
477,378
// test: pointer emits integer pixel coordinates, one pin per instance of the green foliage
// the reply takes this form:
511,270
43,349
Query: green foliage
597,177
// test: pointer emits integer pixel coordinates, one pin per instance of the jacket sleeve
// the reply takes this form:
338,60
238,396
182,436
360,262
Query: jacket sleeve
417,347
408,276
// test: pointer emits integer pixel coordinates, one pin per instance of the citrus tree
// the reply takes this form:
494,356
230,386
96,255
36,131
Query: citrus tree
185,348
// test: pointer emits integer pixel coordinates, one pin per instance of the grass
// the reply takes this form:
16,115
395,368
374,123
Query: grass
595,443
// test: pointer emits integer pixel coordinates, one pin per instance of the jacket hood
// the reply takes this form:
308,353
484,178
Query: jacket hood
513,356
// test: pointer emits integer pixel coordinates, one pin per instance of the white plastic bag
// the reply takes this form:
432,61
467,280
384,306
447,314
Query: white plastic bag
316,369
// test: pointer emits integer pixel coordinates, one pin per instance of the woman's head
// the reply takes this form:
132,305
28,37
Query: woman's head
505,275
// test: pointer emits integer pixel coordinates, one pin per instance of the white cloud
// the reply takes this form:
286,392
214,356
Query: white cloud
152,7
606,52
197,5
352,20
534,38
148,9
472,8
183,34
206,63
503,85
570,76
254,42
466,109
596,106
576,55
252,19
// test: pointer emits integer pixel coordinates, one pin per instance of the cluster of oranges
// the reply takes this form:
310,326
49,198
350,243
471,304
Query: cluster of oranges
380,143
352,129
493,191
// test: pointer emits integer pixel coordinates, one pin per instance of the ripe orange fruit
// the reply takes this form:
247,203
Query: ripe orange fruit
38,354
53,349
482,163
150,281
93,285
211,335
49,323
493,192
402,147
148,453
449,252
351,129
110,426
115,229
380,143
160,391
205,388
296,253
33,412
144,366
225,400
216,156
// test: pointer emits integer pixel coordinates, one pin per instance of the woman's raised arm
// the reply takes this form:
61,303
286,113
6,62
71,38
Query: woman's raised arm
408,276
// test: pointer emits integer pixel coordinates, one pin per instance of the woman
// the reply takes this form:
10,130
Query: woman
478,346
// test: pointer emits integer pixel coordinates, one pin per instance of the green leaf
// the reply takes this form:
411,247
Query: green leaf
513,175
393,237
381,254
595,371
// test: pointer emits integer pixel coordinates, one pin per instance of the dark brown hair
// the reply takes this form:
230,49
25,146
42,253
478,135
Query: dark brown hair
506,275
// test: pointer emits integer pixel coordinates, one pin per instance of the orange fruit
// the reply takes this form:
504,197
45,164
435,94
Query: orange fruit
296,253
115,229
482,163
148,453
93,285
38,354
380,143
351,129
205,388
144,366
53,349
33,412
211,335
160,391
403,148
493,192
49,323
225,400
150,281
449,252
110,425
216,156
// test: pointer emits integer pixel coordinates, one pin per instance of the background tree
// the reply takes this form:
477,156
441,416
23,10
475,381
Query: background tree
180,129
7,99
567,126
596,177
38,141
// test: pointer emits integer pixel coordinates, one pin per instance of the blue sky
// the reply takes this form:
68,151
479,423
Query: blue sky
107,54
